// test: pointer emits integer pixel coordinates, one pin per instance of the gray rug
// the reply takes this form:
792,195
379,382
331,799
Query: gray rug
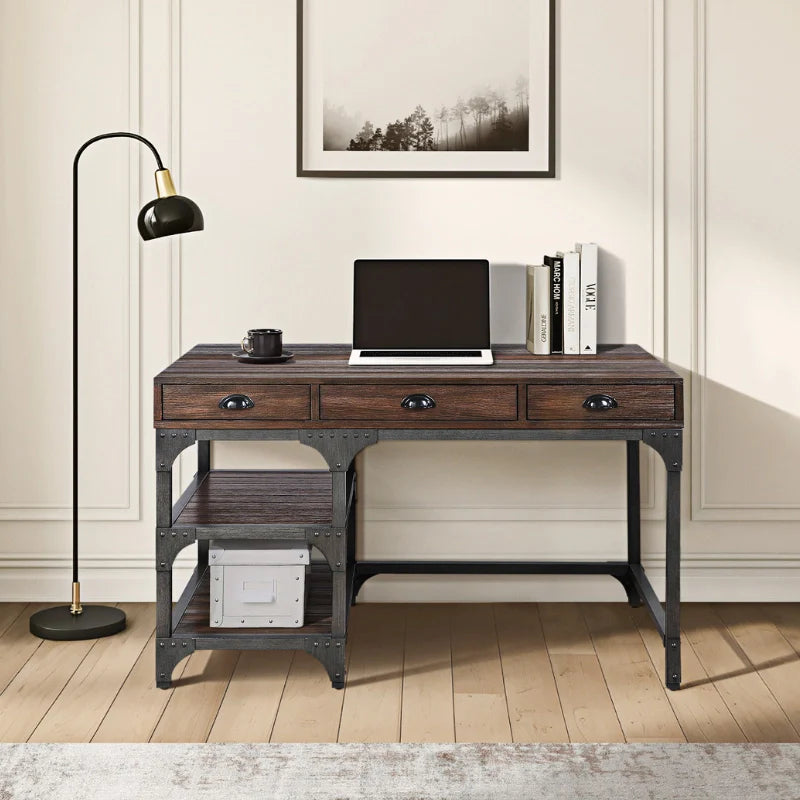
390,771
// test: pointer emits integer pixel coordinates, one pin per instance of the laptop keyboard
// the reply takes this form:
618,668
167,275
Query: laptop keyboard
420,353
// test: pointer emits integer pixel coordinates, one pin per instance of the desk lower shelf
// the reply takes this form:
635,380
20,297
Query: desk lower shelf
194,621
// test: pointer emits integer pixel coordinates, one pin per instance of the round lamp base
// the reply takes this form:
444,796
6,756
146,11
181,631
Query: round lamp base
95,621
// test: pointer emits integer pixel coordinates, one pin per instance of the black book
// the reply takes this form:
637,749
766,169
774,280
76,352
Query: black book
556,264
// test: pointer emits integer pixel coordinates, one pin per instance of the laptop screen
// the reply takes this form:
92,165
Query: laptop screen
421,305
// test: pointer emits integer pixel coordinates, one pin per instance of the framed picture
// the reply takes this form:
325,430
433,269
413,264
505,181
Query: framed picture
426,88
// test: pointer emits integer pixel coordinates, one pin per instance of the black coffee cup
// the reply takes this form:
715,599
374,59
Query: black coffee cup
263,342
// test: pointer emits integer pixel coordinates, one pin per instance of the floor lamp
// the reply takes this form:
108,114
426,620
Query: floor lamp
167,215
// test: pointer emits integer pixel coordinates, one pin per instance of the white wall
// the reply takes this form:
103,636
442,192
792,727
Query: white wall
676,151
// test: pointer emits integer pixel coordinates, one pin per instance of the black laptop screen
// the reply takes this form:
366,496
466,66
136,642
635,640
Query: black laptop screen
421,305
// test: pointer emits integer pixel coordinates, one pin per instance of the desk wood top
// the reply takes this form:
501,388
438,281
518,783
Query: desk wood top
327,363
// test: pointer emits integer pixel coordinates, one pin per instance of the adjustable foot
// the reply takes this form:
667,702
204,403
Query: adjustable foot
673,657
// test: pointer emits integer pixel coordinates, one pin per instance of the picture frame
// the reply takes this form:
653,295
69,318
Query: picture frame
494,117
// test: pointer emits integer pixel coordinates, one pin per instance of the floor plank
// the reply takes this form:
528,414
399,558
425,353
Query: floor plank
765,646
139,705
565,629
311,709
250,705
36,686
427,714
10,613
374,690
479,702
750,701
787,617
585,702
531,694
77,713
17,645
701,711
195,700
642,708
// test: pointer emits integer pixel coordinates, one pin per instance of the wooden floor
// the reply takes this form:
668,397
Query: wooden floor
466,673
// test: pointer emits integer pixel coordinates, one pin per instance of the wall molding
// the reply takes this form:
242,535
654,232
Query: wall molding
130,510
702,509
724,577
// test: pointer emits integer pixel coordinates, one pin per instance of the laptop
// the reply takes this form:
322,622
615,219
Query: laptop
421,312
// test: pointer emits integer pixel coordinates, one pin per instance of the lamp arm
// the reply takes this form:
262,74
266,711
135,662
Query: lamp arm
76,607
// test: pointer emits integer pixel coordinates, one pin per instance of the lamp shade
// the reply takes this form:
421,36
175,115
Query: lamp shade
167,216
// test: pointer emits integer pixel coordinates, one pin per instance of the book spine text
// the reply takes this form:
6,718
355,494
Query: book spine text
588,320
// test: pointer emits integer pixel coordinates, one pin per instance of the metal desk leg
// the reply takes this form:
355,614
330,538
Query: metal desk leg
163,568
634,504
169,444
669,445
628,579
203,468
339,448
672,633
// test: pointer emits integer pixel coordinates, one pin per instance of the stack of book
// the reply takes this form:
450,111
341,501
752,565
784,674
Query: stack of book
561,303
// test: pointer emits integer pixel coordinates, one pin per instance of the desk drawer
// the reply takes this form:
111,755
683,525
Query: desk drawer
254,401
449,402
610,401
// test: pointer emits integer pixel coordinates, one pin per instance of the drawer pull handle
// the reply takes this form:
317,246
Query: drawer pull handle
418,402
600,402
236,402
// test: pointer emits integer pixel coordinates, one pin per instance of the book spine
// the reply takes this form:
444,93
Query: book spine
542,293
556,264
588,298
530,334
571,282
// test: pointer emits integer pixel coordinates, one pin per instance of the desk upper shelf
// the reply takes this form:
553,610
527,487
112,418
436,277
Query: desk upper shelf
318,389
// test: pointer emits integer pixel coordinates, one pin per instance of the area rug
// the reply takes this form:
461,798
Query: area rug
394,771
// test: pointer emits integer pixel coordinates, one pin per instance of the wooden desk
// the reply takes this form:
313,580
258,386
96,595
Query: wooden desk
622,394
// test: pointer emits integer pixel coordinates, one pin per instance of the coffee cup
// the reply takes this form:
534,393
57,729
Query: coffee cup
263,342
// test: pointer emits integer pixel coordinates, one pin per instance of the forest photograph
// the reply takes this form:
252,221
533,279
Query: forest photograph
441,75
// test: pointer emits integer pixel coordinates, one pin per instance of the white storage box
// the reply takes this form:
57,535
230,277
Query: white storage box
257,584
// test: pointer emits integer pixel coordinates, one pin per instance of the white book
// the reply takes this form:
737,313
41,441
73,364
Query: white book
588,253
537,316
572,303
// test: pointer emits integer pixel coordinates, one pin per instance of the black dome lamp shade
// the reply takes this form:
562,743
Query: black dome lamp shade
167,215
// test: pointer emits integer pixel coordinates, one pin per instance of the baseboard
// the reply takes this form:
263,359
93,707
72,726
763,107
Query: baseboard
724,578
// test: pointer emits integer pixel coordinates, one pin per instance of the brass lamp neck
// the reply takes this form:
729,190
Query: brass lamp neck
164,185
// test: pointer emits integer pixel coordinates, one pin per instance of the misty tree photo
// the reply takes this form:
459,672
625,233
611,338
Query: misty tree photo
442,75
